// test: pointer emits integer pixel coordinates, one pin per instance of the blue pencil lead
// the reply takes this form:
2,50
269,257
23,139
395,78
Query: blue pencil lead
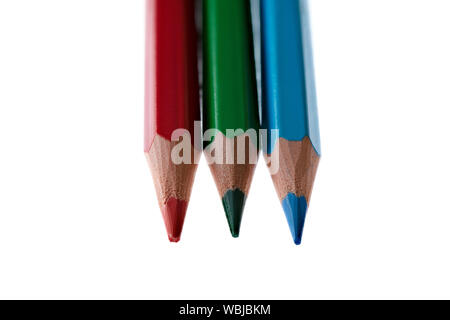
295,209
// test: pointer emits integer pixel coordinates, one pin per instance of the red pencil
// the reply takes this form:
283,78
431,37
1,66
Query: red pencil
172,102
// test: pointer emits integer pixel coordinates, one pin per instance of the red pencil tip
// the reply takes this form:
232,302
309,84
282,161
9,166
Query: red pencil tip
174,240
174,212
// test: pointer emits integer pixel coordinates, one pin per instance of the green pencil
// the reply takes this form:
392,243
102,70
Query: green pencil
230,103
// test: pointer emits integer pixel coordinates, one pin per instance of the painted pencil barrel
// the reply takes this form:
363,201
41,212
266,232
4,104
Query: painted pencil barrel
172,89
289,95
171,103
289,105
230,94
230,99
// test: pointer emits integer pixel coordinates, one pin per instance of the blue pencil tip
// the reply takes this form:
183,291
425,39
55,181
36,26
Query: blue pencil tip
295,209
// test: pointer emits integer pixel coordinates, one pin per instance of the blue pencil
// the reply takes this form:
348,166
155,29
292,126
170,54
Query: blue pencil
289,106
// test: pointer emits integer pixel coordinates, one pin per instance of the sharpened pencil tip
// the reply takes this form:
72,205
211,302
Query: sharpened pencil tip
233,203
295,209
173,239
174,212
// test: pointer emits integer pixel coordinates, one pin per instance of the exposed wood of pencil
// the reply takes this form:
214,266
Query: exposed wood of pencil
171,180
235,175
298,163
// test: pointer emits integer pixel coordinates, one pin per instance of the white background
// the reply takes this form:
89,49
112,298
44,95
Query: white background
78,213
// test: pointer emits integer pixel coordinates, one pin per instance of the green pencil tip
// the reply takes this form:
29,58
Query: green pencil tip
233,203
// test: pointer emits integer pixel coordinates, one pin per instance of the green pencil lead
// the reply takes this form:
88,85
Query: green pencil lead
233,203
